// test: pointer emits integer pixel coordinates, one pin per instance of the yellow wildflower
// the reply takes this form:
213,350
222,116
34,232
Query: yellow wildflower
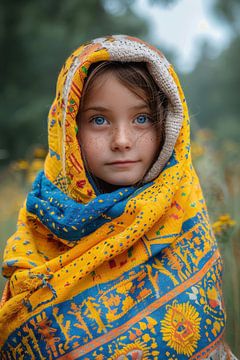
223,223
20,165
197,149
39,153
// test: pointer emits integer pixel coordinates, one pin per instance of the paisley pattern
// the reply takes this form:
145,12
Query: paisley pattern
133,274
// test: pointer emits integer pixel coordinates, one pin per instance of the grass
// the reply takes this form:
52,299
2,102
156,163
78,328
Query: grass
219,173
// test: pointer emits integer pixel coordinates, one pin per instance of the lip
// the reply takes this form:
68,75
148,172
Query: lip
123,162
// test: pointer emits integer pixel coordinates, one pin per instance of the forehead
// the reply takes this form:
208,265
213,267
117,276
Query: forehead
109,87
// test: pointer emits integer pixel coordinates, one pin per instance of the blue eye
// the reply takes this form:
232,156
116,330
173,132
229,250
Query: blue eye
142,119
99,120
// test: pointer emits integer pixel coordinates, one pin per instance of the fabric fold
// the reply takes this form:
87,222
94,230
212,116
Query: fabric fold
135,273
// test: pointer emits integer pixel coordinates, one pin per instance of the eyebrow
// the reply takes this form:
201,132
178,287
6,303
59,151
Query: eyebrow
102,108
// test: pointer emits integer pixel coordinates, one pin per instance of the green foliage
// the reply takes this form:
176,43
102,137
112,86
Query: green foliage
36,38
230,12
212,90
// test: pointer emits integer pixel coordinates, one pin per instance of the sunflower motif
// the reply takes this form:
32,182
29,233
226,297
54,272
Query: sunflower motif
134,351
181,328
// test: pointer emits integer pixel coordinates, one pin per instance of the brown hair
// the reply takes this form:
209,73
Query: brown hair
136,77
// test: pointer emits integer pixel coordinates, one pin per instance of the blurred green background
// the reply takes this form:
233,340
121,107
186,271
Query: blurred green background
35,39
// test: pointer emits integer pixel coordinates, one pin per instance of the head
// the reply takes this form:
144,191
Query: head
120,123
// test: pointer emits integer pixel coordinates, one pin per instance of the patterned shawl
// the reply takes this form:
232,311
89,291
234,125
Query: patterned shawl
132,274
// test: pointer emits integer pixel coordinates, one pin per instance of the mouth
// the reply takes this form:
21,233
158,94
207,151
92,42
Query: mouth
123,162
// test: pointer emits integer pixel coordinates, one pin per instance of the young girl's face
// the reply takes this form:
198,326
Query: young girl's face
117,136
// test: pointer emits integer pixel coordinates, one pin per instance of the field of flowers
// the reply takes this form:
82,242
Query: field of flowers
219,170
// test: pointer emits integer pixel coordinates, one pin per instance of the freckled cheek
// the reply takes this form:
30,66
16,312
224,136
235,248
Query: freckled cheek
156,138
93,148
151,140
152,144
87,140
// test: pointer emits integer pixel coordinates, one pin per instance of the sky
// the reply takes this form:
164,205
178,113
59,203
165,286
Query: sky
182,26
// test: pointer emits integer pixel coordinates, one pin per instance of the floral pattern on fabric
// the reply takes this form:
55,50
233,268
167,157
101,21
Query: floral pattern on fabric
133,274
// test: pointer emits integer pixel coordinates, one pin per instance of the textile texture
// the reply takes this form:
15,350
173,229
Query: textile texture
132,274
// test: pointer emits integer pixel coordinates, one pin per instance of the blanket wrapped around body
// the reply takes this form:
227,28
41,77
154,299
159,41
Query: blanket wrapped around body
131,274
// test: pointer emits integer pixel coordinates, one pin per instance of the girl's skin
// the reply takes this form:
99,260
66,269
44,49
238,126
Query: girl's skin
118,139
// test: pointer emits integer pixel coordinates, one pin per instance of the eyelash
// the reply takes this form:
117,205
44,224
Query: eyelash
147,117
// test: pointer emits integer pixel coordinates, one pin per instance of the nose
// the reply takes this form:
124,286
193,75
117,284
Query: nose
122,139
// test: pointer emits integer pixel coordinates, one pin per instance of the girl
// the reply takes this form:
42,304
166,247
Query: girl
114,256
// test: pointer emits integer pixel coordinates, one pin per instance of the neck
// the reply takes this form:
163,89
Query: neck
105,187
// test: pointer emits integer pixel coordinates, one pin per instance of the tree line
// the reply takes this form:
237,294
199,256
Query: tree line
36,37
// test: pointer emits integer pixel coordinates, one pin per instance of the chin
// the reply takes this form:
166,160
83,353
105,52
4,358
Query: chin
124,182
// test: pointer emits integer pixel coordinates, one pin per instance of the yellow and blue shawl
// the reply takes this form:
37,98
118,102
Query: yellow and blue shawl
132,274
